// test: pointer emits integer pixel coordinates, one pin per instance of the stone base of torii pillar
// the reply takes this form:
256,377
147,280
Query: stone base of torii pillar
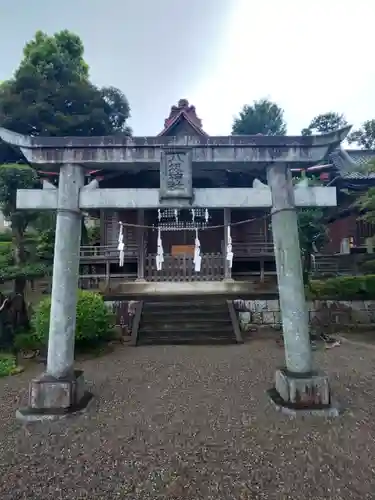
299,388
61,390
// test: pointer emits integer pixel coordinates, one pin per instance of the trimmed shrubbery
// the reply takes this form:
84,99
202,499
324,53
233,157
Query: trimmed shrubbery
93,324
343,288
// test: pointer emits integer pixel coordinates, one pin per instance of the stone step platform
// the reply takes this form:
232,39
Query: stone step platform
187,325
186,321
186,302
193,338
179,314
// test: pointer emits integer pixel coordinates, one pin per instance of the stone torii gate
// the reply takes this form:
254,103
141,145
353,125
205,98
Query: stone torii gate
61,389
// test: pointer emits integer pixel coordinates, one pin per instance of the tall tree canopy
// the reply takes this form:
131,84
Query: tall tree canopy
50,93
58,57
324,123
364,137
262,117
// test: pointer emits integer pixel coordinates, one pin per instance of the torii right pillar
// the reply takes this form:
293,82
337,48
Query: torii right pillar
299,388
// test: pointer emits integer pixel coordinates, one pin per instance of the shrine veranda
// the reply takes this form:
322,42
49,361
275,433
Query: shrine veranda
179,163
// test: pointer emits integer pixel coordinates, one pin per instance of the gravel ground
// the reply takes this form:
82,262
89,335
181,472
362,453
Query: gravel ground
194,423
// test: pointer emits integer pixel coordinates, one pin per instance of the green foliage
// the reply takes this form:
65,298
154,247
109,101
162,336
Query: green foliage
117,109
364,137
45,245
368,266
312,236
312,230
366,204
6,254
343,288
262,117
93,319
51,95
27,271
58,57
93,235
6,236
324,123
8,365
27,341
366,201
13,177
311,180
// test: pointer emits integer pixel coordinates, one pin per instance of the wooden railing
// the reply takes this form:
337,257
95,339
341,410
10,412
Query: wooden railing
252,249
102,282
334,265
107,252
177,268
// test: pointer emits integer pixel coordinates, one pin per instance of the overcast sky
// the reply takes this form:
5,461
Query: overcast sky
310,57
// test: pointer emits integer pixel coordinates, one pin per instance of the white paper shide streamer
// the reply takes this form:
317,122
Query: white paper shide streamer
121,245
160,252
192,215
197,253
229,249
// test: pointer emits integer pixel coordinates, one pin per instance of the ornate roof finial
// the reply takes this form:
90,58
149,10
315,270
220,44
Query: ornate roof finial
183,103
183,107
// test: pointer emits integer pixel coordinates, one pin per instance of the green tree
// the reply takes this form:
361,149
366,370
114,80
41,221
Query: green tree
324,123
312,237
50,93
365,202
21,267
262,117
57,57
364,137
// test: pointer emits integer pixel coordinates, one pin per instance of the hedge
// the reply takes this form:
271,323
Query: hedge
343,288
93,323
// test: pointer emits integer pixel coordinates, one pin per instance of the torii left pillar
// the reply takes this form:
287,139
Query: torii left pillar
60,389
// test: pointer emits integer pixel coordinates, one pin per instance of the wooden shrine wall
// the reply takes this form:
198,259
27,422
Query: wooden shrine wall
247,235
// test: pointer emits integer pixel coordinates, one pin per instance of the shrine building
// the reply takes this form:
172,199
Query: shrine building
253,262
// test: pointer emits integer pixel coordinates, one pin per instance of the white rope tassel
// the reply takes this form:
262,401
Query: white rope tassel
121,245
176,215
197,253
192,215
160,253
206,215
229,249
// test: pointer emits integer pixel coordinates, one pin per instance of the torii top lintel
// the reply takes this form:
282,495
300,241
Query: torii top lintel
117,152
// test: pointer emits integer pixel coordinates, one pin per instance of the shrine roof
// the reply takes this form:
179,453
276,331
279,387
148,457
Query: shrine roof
351,163
180,113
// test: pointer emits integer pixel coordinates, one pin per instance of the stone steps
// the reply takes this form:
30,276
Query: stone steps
186,321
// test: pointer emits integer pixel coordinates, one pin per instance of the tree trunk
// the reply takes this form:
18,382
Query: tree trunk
19,309
19,255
